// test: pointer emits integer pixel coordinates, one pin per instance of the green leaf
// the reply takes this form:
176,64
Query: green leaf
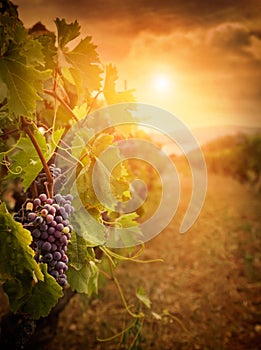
45,295
23,84
18,267
101,143
32,50
16,256
83,63
77,252
49,49
83,272
111,95
66,32
12,33
128,220
84,280
142,296
14,289
26,162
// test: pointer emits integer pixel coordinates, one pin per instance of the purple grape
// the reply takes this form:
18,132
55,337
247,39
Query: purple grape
44,227
49,201
39,244
46,246
57,255
64,239
65,259
37,202
55,274
59,227
38,220
49,218
48,257
53,223
51,230
62,282
57,234
58,198
56,206
42,197
67,208
52,211
36,233
31,216
44,235
62,252
62,210
47,207
60,265
69,197
58,219
54,247
65,216
51,239
53,263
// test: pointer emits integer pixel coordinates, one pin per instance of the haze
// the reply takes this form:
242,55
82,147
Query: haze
210,52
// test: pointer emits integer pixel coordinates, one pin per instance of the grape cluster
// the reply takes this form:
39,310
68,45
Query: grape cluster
59,180
51,231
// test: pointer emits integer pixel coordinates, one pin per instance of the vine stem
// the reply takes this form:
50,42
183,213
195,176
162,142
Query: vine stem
54,94
49,177
93,101
115,280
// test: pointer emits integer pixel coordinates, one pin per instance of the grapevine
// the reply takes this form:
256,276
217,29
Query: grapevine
46,88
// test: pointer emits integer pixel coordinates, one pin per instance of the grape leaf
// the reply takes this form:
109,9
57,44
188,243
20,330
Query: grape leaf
83,272
23,85
88,228
77,252
101,143
83,63
26,162
111,95
142,296
44,297
18,267
84,280
12,33
66,32
33,51
16,256
128,220
49,50
16,294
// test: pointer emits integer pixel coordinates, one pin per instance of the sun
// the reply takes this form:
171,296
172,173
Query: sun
161,83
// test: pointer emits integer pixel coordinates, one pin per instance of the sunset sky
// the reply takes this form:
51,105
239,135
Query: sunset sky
200,60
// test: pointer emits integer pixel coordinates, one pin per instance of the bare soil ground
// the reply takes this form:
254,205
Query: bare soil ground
210,282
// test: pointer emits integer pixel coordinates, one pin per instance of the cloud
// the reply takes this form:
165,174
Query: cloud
212,48
152,15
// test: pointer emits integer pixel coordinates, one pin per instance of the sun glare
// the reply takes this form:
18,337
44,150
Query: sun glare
161,83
